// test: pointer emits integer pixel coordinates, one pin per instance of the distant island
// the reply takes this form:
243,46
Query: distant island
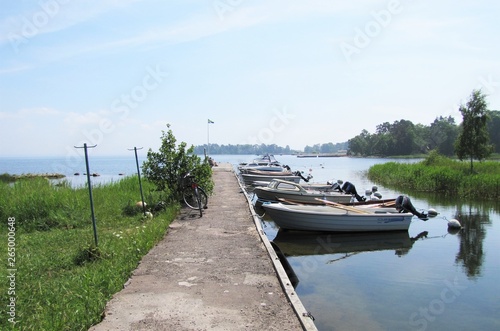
400,138
246,149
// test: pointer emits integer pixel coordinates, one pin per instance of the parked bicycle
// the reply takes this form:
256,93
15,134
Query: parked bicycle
194,196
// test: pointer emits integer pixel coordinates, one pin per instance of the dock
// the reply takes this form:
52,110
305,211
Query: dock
217,272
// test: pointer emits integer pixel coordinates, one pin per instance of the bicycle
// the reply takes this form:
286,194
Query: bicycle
194,196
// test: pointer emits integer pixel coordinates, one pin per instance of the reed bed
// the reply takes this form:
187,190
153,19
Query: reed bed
441,175
63,281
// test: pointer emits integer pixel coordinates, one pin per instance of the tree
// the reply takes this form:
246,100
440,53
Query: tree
403,135
166,167
473,137
360,143
494,129
442,135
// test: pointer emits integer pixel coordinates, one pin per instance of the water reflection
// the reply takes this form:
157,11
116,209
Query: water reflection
470,253
294,243
348,283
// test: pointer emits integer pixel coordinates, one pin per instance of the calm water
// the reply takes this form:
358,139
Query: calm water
444,281
108,168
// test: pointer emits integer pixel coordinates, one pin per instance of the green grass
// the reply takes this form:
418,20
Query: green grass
440,174
63,281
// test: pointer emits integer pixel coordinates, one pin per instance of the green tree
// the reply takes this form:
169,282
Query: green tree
442,135
494,129
360,144
473,137
403,136
166,167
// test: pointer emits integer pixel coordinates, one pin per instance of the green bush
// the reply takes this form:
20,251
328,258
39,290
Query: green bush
167,167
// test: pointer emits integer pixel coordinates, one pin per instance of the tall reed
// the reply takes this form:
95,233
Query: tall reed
443,175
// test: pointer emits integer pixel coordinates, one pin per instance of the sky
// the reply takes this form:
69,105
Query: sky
115,73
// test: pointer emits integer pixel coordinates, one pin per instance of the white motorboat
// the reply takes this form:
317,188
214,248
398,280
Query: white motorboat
337,218
293,192
250,179
266,163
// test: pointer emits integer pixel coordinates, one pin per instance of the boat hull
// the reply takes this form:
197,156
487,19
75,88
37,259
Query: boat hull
326,218
248,179
266,194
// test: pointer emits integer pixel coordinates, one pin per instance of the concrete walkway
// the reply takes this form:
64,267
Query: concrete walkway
218,272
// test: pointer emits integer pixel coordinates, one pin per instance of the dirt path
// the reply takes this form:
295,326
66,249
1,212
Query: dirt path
209,273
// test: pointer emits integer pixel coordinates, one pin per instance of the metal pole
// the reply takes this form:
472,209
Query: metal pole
140,182
90,190
208,135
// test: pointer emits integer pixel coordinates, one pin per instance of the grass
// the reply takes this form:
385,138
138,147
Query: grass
62,280
441,175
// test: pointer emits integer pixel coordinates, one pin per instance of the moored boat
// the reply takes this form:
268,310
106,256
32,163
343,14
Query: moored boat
267,163
249,179
337,218
294,192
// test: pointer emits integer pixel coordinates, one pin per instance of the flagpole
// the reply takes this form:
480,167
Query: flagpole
209,121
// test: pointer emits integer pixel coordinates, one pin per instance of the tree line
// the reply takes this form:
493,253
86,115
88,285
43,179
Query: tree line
478,135
474,139
243,149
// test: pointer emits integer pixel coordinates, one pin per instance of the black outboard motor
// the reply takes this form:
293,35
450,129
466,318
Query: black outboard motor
336,187
404,205
351,189
298,173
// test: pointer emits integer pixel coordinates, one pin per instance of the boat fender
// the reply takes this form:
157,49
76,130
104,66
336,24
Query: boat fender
432,212
454,224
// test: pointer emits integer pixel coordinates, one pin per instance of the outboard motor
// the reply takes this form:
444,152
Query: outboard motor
373,194
404,205
351,189
336,186
297,173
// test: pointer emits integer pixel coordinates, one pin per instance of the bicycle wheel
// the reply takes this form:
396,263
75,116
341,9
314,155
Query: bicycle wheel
203,198
190,198
198,200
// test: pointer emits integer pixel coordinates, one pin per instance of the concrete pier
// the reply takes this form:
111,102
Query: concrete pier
217,272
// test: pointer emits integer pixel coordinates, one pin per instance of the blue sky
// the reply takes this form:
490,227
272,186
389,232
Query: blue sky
297,73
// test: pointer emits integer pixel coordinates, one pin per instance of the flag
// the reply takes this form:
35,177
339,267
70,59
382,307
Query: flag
210,122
